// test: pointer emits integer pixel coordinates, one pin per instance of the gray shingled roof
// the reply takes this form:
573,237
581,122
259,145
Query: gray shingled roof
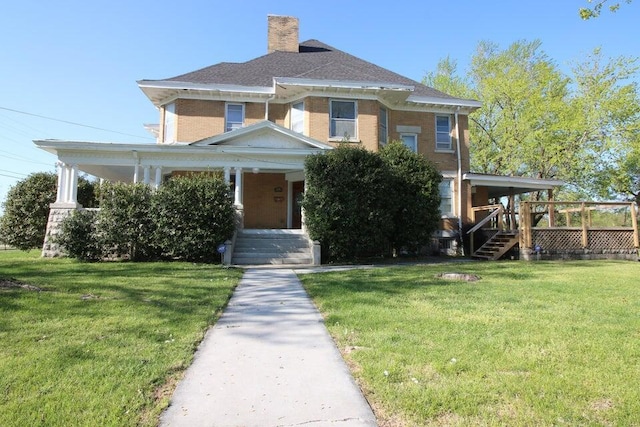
315,60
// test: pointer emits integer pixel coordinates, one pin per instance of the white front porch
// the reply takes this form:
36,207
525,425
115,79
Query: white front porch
264,164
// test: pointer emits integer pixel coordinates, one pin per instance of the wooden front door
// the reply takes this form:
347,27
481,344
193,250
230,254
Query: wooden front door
297,190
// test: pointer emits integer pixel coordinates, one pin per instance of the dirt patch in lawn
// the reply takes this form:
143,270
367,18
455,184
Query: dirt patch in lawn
16,284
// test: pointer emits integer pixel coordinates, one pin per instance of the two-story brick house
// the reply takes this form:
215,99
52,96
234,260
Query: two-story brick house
257,121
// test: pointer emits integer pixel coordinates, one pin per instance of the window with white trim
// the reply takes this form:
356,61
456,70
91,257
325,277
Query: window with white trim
343,116
297,117
169,125
443,133
446,197
234,116
383,134
410,140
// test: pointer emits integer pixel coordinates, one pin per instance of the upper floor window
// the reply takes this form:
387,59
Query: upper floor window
169,125
297,117
234,116
410,140
446,199
383,122
443,133
343,119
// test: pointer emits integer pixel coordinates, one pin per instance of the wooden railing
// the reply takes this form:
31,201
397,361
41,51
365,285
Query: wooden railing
567,228
494,221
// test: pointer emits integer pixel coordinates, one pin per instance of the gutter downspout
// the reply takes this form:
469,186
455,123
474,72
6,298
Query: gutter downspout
266,106
459,176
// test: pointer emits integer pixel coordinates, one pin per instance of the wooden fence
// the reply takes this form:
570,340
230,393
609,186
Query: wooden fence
582,230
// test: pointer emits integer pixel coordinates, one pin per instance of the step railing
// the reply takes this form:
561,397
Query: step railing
494,221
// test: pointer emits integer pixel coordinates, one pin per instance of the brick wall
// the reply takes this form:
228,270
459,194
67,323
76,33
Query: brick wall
198,119
264,207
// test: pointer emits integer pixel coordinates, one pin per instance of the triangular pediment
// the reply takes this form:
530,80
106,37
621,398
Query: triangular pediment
264,135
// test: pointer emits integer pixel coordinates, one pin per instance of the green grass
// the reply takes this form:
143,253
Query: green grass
102,344
541,343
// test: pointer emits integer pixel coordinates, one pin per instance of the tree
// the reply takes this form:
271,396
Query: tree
537,122
26,209
595,10
414,199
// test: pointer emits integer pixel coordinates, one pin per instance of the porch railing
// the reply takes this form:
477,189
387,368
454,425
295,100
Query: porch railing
492,222
578,229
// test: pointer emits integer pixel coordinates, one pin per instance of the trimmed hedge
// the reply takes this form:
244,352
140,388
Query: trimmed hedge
185,219
26,208
192,216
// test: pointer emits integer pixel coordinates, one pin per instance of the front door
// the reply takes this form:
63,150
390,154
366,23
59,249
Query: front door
297,190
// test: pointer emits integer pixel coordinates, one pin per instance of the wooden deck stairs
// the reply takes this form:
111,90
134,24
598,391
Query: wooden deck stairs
498,245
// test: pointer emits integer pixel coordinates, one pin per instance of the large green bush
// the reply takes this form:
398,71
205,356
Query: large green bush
415,199
78,236
124,225
193,214
359,203
346,202
185,218
26,208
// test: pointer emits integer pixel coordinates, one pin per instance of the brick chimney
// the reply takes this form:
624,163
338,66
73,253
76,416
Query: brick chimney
282,34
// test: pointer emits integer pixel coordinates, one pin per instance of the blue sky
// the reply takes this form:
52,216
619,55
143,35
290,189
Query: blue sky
78,61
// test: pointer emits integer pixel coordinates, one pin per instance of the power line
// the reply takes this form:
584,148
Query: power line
73,123
14,173
9,176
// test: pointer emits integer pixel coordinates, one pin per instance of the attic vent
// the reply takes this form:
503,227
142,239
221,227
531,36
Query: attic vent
282,34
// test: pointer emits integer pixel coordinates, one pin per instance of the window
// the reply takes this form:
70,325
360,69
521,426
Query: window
410,140
446,199
443,133
169,132
234,117
343,119
383,135
297,117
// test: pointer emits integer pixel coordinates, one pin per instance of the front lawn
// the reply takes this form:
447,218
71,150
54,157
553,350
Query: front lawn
100,344
539,343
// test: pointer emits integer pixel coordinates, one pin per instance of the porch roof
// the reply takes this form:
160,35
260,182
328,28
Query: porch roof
264,146
500,185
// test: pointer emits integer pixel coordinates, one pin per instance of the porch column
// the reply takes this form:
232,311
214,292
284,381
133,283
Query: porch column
135,173
238,192
147,178
72,195
158,179
227,174
61,195
303,224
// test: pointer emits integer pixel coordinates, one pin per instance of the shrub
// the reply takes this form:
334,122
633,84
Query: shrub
415,198
124,226
26,209
193,214
346,202
78,236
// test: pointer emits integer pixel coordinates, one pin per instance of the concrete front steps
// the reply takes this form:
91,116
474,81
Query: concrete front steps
275,247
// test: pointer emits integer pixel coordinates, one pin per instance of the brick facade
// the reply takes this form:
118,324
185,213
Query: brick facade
265,200
199,119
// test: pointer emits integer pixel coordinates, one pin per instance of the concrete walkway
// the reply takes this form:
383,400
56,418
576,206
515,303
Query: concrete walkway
269,361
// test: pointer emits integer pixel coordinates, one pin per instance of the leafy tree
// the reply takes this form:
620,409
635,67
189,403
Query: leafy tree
537,122
608,115
414,199
193,214
26,208
595,10
347,202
